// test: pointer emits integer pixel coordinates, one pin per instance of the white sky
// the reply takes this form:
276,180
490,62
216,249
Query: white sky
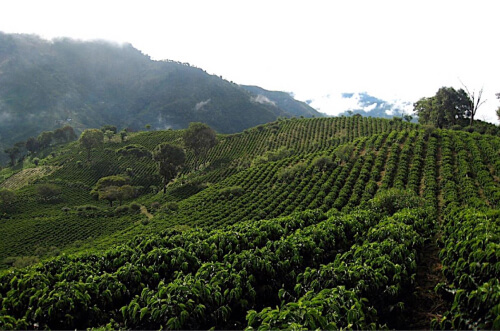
391,49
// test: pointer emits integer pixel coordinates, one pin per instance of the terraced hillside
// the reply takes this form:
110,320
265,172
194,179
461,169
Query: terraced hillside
311,223
232,157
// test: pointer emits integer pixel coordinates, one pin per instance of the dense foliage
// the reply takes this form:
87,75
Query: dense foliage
445,109
471,264
313,223
170,159
229,277
199,138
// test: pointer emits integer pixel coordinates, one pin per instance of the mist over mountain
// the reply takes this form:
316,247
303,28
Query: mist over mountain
368,105
361,103
48,84
283,100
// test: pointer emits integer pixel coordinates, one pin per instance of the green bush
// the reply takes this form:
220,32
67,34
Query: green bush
87,207
134,150
394,199
322,162
135,206
234,191
172,206
47,251
7,200
49,192
122,209
88,210
21,261
155,205
288,174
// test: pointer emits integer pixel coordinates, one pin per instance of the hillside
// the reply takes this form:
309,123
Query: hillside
310,223
47,84
284,101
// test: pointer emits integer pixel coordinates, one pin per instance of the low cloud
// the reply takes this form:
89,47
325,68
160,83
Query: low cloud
201,104
263,100
361,103
162,123
5,117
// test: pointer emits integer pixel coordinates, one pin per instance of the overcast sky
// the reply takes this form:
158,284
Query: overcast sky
394,50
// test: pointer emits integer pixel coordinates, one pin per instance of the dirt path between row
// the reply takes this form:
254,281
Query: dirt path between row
427,305
145,211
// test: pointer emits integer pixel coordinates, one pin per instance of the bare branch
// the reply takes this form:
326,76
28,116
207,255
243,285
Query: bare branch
475,104
479,98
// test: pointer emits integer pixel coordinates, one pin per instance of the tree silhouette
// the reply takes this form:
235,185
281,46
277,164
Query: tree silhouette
91,138
170,159
199,138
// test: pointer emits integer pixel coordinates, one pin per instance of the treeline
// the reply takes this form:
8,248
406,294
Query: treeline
33,145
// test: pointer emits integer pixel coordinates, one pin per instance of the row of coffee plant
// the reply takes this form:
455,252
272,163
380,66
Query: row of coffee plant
202,279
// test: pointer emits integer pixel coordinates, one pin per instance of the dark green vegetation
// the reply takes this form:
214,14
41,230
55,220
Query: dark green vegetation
45,85
453,109
301,223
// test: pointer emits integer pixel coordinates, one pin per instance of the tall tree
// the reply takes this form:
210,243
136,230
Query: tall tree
113,188
65,134
13,152
45,139
123,135
109,127
199,138
448,107
109,134
170,159
110,193
91,138
32,145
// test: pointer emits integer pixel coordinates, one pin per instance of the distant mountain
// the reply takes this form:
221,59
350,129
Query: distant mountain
283,100
47,84
368,105
362,103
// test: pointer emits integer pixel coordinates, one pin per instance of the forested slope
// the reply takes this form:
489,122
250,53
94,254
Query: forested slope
46,84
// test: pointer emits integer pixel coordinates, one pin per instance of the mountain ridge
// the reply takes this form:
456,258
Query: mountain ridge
48,84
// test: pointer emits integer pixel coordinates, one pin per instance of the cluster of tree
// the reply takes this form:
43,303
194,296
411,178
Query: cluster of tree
14,151
114,188
135,150
45,139
198,138
48,192
91,138
110,130
449,107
